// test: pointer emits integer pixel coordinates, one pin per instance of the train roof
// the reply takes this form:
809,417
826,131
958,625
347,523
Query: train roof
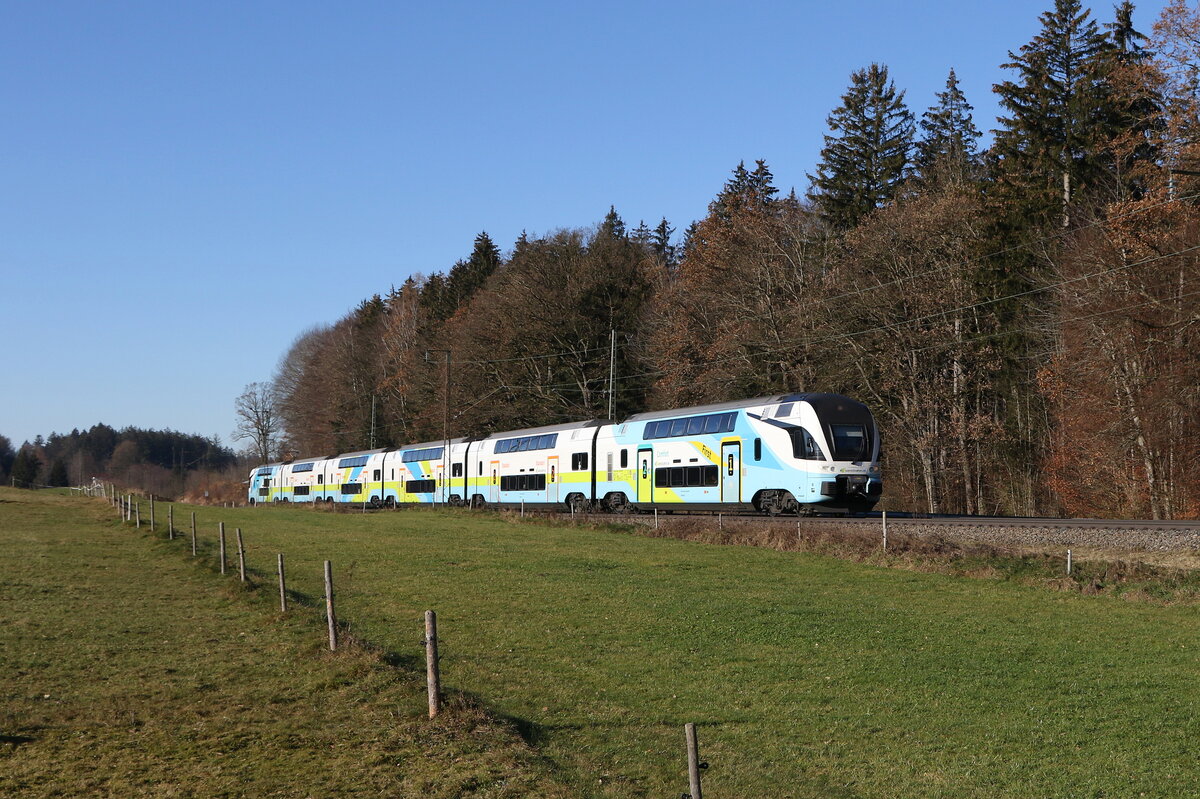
735,405
360,452
441,442
552,428
313,459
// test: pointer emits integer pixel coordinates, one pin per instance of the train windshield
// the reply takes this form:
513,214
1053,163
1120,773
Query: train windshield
849,442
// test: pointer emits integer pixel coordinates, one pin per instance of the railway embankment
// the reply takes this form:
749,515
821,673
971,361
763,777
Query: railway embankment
1100,535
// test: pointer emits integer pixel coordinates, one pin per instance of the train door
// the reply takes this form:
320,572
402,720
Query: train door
494,482
645,471
731,472
438,475
552,478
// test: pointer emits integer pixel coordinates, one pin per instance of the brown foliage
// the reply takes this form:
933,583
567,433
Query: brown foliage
1125,384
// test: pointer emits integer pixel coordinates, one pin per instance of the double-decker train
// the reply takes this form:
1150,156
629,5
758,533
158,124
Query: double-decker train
785,454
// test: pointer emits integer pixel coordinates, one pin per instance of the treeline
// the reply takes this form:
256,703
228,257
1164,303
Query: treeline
164,462
1023,320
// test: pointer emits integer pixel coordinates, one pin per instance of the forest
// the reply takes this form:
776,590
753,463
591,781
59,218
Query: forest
163,462
1022,319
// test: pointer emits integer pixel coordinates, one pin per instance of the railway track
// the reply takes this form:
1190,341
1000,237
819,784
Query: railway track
904,519
1097,535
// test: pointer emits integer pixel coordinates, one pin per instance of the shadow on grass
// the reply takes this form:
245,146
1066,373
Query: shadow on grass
16,740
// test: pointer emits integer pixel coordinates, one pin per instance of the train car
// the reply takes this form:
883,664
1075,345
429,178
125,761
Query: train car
538,466
263,483
420,470
788,453
298,479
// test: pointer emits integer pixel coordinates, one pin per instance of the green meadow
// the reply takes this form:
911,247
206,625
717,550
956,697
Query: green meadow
579,653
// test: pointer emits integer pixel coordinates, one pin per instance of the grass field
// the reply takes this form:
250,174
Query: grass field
128,671
808,676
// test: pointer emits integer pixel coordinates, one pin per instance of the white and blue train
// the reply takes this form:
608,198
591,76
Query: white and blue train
786,454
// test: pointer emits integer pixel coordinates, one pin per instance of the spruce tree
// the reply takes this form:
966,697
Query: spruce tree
58,474
435,298
660,242
613,225
25,468
744,190
468,276
866,157
1138,115
949,136
1050,145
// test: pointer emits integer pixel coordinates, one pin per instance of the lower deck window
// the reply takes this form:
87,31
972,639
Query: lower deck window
262,492
523,482
420,486
351,488
686,476
300,491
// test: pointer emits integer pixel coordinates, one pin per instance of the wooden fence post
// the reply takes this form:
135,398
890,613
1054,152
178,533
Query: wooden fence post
241,556
138,514
282,585
433,678
694,764
1068,561
221,528
171,522
329,614
885,531
193,533
152,513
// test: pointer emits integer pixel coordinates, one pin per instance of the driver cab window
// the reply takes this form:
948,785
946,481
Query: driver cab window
805,447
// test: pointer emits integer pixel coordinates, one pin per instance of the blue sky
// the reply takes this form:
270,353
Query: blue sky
187,186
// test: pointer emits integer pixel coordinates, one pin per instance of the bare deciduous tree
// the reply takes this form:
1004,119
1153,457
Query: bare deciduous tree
258,419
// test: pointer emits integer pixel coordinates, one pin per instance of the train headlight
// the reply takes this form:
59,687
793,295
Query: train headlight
874,469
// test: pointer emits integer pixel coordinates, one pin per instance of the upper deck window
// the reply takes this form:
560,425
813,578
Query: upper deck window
690,426
414,455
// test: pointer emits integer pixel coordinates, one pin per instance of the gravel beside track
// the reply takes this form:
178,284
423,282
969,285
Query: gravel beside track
1135,536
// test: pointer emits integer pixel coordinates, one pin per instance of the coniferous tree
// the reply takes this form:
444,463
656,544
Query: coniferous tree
613,225
866,157
435,299
25,468
468,276
949,135
7,455
660,242
1049,147
1139,119
58,475
745,189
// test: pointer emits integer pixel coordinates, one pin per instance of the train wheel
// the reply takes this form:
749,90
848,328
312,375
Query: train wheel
617,502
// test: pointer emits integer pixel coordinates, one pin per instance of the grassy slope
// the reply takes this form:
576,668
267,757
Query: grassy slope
129,671
811,677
